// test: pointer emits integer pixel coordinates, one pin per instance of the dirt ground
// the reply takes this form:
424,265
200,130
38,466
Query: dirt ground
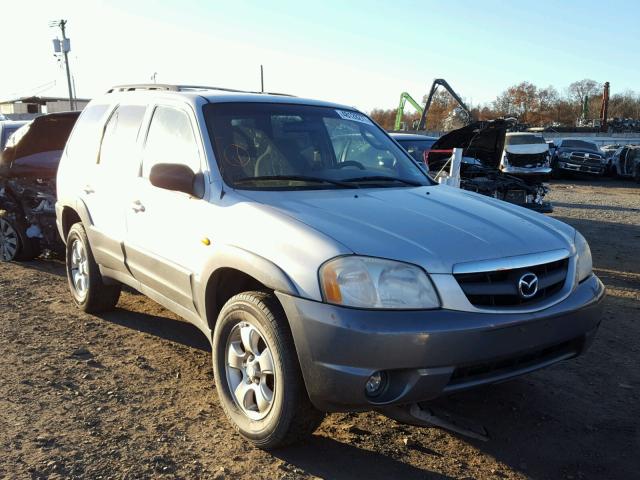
130,394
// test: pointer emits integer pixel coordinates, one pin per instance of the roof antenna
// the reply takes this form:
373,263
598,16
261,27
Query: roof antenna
261,79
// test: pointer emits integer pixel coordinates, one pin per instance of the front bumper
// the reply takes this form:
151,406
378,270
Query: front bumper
426,354
526,171
581,168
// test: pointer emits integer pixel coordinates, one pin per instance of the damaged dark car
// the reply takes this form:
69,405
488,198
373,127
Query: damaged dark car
483,144
574,155
28,167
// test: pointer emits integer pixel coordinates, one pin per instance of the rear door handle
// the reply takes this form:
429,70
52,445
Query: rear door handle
88,189
137,206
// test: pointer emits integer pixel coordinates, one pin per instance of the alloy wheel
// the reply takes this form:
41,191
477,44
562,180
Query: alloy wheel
79,268
250,371
8,241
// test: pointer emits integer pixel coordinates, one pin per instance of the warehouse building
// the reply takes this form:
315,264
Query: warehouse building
26,108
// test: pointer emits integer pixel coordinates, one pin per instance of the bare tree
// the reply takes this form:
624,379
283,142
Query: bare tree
583,88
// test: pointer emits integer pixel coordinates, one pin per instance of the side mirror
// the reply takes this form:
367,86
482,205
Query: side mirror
178,178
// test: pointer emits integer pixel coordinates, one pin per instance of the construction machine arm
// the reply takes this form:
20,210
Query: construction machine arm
404,98
434,86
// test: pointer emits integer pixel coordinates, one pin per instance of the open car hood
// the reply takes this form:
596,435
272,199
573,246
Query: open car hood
34,150
482,140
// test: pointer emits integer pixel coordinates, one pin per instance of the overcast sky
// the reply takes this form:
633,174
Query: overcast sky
362,53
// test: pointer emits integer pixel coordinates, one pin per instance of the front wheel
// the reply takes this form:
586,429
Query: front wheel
257,374
87,288
14,243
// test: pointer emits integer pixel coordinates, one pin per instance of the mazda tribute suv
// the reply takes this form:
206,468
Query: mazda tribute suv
329,273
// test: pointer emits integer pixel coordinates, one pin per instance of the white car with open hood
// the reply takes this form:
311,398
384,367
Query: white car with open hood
525,154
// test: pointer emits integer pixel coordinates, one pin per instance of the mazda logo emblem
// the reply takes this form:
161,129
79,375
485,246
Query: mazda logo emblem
528,285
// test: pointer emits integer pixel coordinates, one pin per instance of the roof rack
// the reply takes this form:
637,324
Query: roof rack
181,88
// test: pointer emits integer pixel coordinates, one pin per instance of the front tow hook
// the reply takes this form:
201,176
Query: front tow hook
426,416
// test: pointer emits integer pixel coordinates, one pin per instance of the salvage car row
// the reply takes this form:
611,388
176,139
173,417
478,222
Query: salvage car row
510,166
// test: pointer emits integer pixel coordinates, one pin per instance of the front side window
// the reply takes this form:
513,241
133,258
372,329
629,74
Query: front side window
284,146
119,142
170,140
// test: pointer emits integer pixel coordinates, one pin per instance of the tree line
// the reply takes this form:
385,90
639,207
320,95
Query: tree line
530,104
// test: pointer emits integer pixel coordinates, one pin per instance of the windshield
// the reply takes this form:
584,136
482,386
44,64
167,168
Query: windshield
579,144
284,146
6,134
524,140
416,148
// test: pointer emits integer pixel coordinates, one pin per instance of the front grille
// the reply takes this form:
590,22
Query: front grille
528,160
503,366
500,288
592,159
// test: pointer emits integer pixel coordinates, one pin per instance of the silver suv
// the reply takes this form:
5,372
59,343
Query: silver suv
327,270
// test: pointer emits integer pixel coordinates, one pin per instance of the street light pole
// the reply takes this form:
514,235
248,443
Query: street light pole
65,51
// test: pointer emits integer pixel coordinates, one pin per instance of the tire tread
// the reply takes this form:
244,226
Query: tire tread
304,418
101,297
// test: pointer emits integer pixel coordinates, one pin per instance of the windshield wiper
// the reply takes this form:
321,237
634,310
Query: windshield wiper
298,178
383,178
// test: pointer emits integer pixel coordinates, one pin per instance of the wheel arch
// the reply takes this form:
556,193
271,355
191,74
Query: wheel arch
233,270
70,213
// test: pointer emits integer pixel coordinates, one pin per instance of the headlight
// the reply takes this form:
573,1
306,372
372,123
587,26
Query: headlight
565,155
366,282
584,266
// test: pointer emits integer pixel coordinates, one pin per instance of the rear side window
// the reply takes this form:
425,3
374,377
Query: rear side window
170,140
85,138
119,143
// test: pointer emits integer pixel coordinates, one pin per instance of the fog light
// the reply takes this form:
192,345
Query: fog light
375,384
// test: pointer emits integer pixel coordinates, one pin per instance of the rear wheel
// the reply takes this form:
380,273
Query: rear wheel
88,290
257,374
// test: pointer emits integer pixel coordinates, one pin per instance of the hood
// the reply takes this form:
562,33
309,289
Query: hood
35,148
482,140
435,227
528,149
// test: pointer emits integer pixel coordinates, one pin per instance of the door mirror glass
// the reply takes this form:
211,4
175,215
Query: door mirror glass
176,177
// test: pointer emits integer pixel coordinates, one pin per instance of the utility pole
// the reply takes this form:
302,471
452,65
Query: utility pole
261,79
64,47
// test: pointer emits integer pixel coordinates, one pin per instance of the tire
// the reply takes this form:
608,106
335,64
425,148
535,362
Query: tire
88,290
289,416
14,243
556,172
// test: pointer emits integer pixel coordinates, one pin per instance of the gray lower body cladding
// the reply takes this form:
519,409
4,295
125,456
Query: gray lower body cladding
426,354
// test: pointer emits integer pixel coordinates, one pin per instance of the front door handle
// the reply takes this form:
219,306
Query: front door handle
88,189
137,206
